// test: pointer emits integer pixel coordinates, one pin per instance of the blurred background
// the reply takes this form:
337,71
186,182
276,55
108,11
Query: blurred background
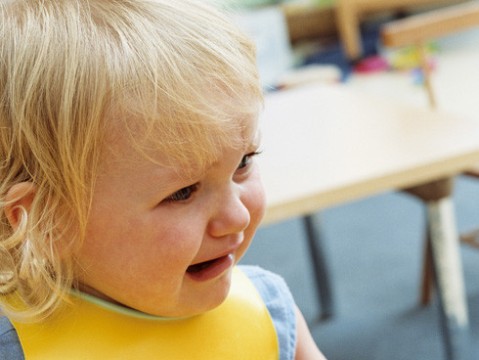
373,246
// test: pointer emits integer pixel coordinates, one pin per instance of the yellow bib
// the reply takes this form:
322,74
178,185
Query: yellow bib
240,328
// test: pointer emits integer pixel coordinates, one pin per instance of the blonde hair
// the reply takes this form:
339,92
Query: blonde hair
172,75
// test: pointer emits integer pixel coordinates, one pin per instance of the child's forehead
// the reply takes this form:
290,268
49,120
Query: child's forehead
187,143
187,126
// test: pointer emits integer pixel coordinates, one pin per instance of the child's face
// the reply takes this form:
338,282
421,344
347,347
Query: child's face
149,227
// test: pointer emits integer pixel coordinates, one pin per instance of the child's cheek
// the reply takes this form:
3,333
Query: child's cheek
255,201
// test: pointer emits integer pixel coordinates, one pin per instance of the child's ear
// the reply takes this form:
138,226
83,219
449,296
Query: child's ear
19,199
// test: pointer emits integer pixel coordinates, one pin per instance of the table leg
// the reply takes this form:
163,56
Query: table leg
320,265
427,276
348,26
449,278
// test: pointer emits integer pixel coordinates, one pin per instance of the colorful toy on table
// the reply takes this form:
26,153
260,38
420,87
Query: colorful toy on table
409,59
405,59
371,64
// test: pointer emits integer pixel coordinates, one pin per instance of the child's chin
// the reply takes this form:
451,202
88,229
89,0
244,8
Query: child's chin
214,297
200,302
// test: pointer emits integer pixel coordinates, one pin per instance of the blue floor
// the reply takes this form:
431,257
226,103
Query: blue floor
374,249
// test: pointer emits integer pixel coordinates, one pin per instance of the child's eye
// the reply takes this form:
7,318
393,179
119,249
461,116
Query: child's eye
245,161
182,194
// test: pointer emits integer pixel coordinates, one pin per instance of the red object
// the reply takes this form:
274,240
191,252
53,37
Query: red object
371,64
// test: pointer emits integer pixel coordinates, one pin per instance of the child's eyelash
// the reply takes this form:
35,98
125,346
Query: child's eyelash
186,192
182,194
254,153
246,159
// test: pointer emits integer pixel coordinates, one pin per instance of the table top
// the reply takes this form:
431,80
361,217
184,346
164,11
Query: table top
324,145
365,5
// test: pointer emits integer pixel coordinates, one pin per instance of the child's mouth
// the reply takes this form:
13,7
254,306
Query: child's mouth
210,269
196,268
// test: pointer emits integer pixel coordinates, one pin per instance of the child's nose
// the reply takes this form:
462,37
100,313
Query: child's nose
231,215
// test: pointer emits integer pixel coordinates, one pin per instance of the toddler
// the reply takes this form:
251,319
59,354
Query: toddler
128,187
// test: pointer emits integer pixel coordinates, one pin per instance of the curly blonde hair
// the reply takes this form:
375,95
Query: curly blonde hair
70,70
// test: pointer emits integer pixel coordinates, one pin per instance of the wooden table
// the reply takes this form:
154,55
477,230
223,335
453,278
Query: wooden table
351,12
326,145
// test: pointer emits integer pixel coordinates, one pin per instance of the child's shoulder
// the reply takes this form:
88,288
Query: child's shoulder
280,303
9,344
5,326
268,284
